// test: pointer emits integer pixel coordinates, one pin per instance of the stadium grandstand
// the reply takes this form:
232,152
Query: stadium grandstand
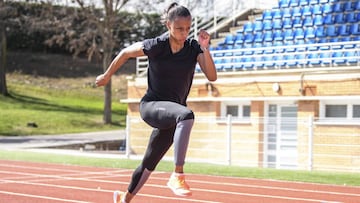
287,94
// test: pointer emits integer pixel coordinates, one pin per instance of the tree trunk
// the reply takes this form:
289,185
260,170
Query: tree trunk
107,91
3,87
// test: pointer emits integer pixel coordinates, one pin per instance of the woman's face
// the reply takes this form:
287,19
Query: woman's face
179,28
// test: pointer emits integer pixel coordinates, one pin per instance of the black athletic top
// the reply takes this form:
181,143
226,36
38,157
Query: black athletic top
170,75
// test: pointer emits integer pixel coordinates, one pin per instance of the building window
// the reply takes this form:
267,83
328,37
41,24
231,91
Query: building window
246,111
356,111
232,110
335,111
238,111
340,110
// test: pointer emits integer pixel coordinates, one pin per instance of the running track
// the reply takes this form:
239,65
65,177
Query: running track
28,182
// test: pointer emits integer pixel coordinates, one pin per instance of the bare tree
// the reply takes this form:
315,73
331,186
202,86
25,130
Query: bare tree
5,13
106,27
91,28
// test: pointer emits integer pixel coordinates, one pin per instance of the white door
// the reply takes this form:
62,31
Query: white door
281,137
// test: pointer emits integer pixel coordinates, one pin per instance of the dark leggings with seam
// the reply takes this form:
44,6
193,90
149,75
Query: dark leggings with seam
163,116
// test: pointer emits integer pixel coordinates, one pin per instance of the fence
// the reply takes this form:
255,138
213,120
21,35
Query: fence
300,143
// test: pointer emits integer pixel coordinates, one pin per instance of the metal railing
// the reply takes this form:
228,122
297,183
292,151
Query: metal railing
255,142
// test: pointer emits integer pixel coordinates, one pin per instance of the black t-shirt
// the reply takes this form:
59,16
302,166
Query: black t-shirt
170,75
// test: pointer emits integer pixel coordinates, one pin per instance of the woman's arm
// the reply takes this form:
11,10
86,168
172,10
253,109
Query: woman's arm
131,51
205,59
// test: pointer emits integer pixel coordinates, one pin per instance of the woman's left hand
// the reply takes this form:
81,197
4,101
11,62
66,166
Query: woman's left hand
204,39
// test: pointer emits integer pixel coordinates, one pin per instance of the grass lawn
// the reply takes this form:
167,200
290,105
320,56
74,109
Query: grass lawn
61,105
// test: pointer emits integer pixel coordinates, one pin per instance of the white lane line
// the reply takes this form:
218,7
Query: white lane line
41,197
107,191
57,177
269,187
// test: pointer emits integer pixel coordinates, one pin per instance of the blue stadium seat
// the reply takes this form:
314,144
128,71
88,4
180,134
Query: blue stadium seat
296,11
288,35
258,37
335,46
318,20
320,32
278,45
267,15
328,19
343,30
239,39
323,47
258,48
268,47
287,23
294,3
302,46
248,27
289,46
301,59
286,12
299,33
277,24
238,64
312,2
279,61
339,18
314,59
348,6
238,50
327,8
249,38
284,3
331,31
325,58
290,60
258,26
258,62
310,33
248,63
351,57
227,64
354,29
303,2
316,9
268,61
297,22
268,36
276,13
338,57
312,46
229,39
308,21
218,64
267,25
277,35
323,1
357,6
306,11
248,50
338,7
346,40
351,17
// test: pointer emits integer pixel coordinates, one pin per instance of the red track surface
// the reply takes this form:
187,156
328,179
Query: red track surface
39,183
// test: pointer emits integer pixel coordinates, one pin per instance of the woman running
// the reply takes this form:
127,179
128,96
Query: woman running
172,60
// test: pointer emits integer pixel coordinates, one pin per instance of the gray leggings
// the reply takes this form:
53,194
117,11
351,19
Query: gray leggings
172,123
